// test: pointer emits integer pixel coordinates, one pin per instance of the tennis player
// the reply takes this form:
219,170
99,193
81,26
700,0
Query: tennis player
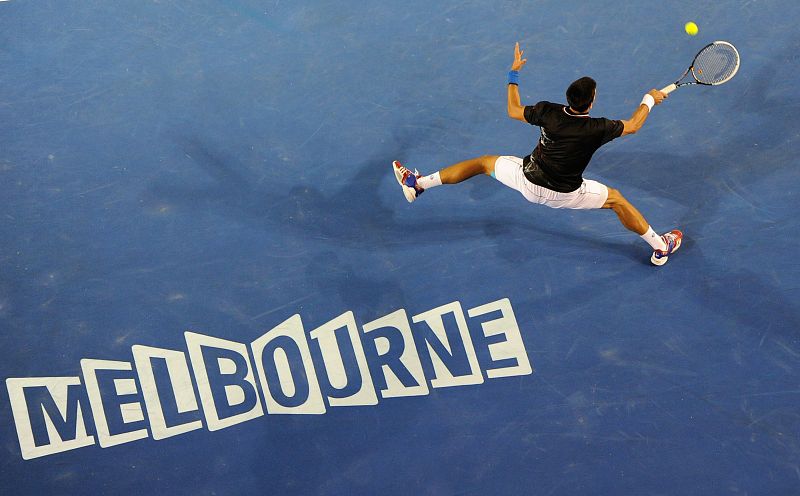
553,174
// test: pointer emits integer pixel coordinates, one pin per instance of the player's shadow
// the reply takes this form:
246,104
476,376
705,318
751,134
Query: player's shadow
352,215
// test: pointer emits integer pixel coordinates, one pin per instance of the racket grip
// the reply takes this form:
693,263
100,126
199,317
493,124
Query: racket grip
668,89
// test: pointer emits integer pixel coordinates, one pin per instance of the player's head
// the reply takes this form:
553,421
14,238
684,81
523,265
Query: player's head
580,94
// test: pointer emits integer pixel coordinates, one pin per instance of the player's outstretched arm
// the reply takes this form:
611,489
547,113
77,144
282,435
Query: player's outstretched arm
515,108
653,97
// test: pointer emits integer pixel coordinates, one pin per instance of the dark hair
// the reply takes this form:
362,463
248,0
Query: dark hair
580,94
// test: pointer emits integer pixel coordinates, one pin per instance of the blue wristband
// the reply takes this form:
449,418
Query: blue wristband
513,77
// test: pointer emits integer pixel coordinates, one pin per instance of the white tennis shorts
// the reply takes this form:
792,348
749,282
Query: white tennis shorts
591,194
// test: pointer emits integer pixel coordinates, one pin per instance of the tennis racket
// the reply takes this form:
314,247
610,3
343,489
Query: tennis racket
715,64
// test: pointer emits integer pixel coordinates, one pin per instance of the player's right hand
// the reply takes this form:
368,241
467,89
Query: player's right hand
518,60
657,95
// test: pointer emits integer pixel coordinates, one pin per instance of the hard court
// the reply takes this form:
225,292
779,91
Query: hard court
211,283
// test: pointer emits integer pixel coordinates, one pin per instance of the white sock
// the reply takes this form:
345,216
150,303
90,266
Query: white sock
429,181
654,239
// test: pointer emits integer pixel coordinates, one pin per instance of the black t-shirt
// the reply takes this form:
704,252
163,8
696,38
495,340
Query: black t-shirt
566,145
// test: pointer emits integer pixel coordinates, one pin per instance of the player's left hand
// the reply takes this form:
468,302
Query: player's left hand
518,60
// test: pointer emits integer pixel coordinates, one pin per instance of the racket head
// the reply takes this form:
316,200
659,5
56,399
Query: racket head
716,63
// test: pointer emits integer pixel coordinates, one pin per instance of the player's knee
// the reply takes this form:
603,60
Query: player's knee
487,163
615,198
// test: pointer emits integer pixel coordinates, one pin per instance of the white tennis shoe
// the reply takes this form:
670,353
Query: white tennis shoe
673,241
407,181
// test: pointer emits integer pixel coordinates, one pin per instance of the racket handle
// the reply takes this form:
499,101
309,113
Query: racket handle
668,89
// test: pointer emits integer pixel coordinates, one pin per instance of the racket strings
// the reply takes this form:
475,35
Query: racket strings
715,64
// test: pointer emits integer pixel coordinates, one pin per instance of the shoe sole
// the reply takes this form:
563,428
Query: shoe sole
409,193
661,261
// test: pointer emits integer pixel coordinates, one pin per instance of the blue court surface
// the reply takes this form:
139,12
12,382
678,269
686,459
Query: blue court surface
211,283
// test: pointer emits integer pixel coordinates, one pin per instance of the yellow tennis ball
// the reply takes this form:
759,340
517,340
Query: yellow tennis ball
691,28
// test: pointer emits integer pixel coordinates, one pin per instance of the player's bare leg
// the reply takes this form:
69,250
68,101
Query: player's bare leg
663,246
467,169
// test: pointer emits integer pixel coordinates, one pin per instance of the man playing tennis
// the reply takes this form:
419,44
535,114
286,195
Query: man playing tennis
553,174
